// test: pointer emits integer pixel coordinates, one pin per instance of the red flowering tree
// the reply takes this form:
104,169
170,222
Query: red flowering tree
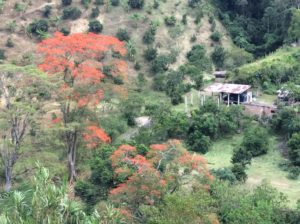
141,182
78,60
145,179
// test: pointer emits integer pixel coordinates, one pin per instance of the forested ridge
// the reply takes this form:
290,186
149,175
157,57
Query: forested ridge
106,113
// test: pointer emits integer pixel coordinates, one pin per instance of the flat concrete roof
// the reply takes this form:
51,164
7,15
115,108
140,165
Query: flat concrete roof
227,88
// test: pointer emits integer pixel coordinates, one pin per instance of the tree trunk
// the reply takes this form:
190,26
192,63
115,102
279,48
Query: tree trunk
72,146
8,176
71,165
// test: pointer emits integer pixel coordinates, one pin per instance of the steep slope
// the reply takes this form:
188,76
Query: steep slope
277,68
17,16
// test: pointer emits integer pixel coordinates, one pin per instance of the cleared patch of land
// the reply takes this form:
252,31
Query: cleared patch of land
263,168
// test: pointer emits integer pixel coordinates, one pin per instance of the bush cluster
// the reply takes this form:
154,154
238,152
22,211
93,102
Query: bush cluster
71,13
123,35
170,20
149,36
37,26
136,4
66,2
95,26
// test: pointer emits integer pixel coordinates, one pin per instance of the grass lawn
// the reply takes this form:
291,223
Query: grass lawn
267,99
263,168
266,168
220,154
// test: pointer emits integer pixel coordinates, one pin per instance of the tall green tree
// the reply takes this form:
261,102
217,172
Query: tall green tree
294,29
23,90
294,149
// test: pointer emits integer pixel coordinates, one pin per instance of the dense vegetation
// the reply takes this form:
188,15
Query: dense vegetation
258,26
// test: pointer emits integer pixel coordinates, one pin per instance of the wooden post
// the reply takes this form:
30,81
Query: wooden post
186,104
228,99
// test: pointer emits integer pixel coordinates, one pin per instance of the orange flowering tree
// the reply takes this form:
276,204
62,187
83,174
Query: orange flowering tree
79,61
144,180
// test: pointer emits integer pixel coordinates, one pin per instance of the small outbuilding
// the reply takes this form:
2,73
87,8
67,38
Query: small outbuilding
231,93
220,74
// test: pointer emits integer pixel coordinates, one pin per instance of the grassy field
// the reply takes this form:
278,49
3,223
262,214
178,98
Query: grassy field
263,168
220,154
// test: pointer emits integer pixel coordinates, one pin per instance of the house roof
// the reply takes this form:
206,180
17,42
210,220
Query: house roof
227,88
220,72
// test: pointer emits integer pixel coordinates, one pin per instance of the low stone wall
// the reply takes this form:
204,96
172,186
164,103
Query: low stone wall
259,109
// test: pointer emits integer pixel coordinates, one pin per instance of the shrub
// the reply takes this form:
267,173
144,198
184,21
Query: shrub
241,156
71,13
86,191
9,42
294,149
256,141
136,4
95,26
198,142
149,36
131,108
66,2
137,66
224,174
65,31
175,86
37,26
20,7
294,173
193,38
194,73
155,4
215,36
184,19
95,12
99,2
122,35
218,56
2,54
115,2
239,171
150,53
118,80
197,57
85,3
159,82
160,64
141,81
170,20
193,3
47,11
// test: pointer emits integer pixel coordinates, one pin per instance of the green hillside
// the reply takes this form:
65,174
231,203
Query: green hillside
106,118
271,71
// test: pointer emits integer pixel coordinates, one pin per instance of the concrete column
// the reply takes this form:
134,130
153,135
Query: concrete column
186,104
228,99
239,99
